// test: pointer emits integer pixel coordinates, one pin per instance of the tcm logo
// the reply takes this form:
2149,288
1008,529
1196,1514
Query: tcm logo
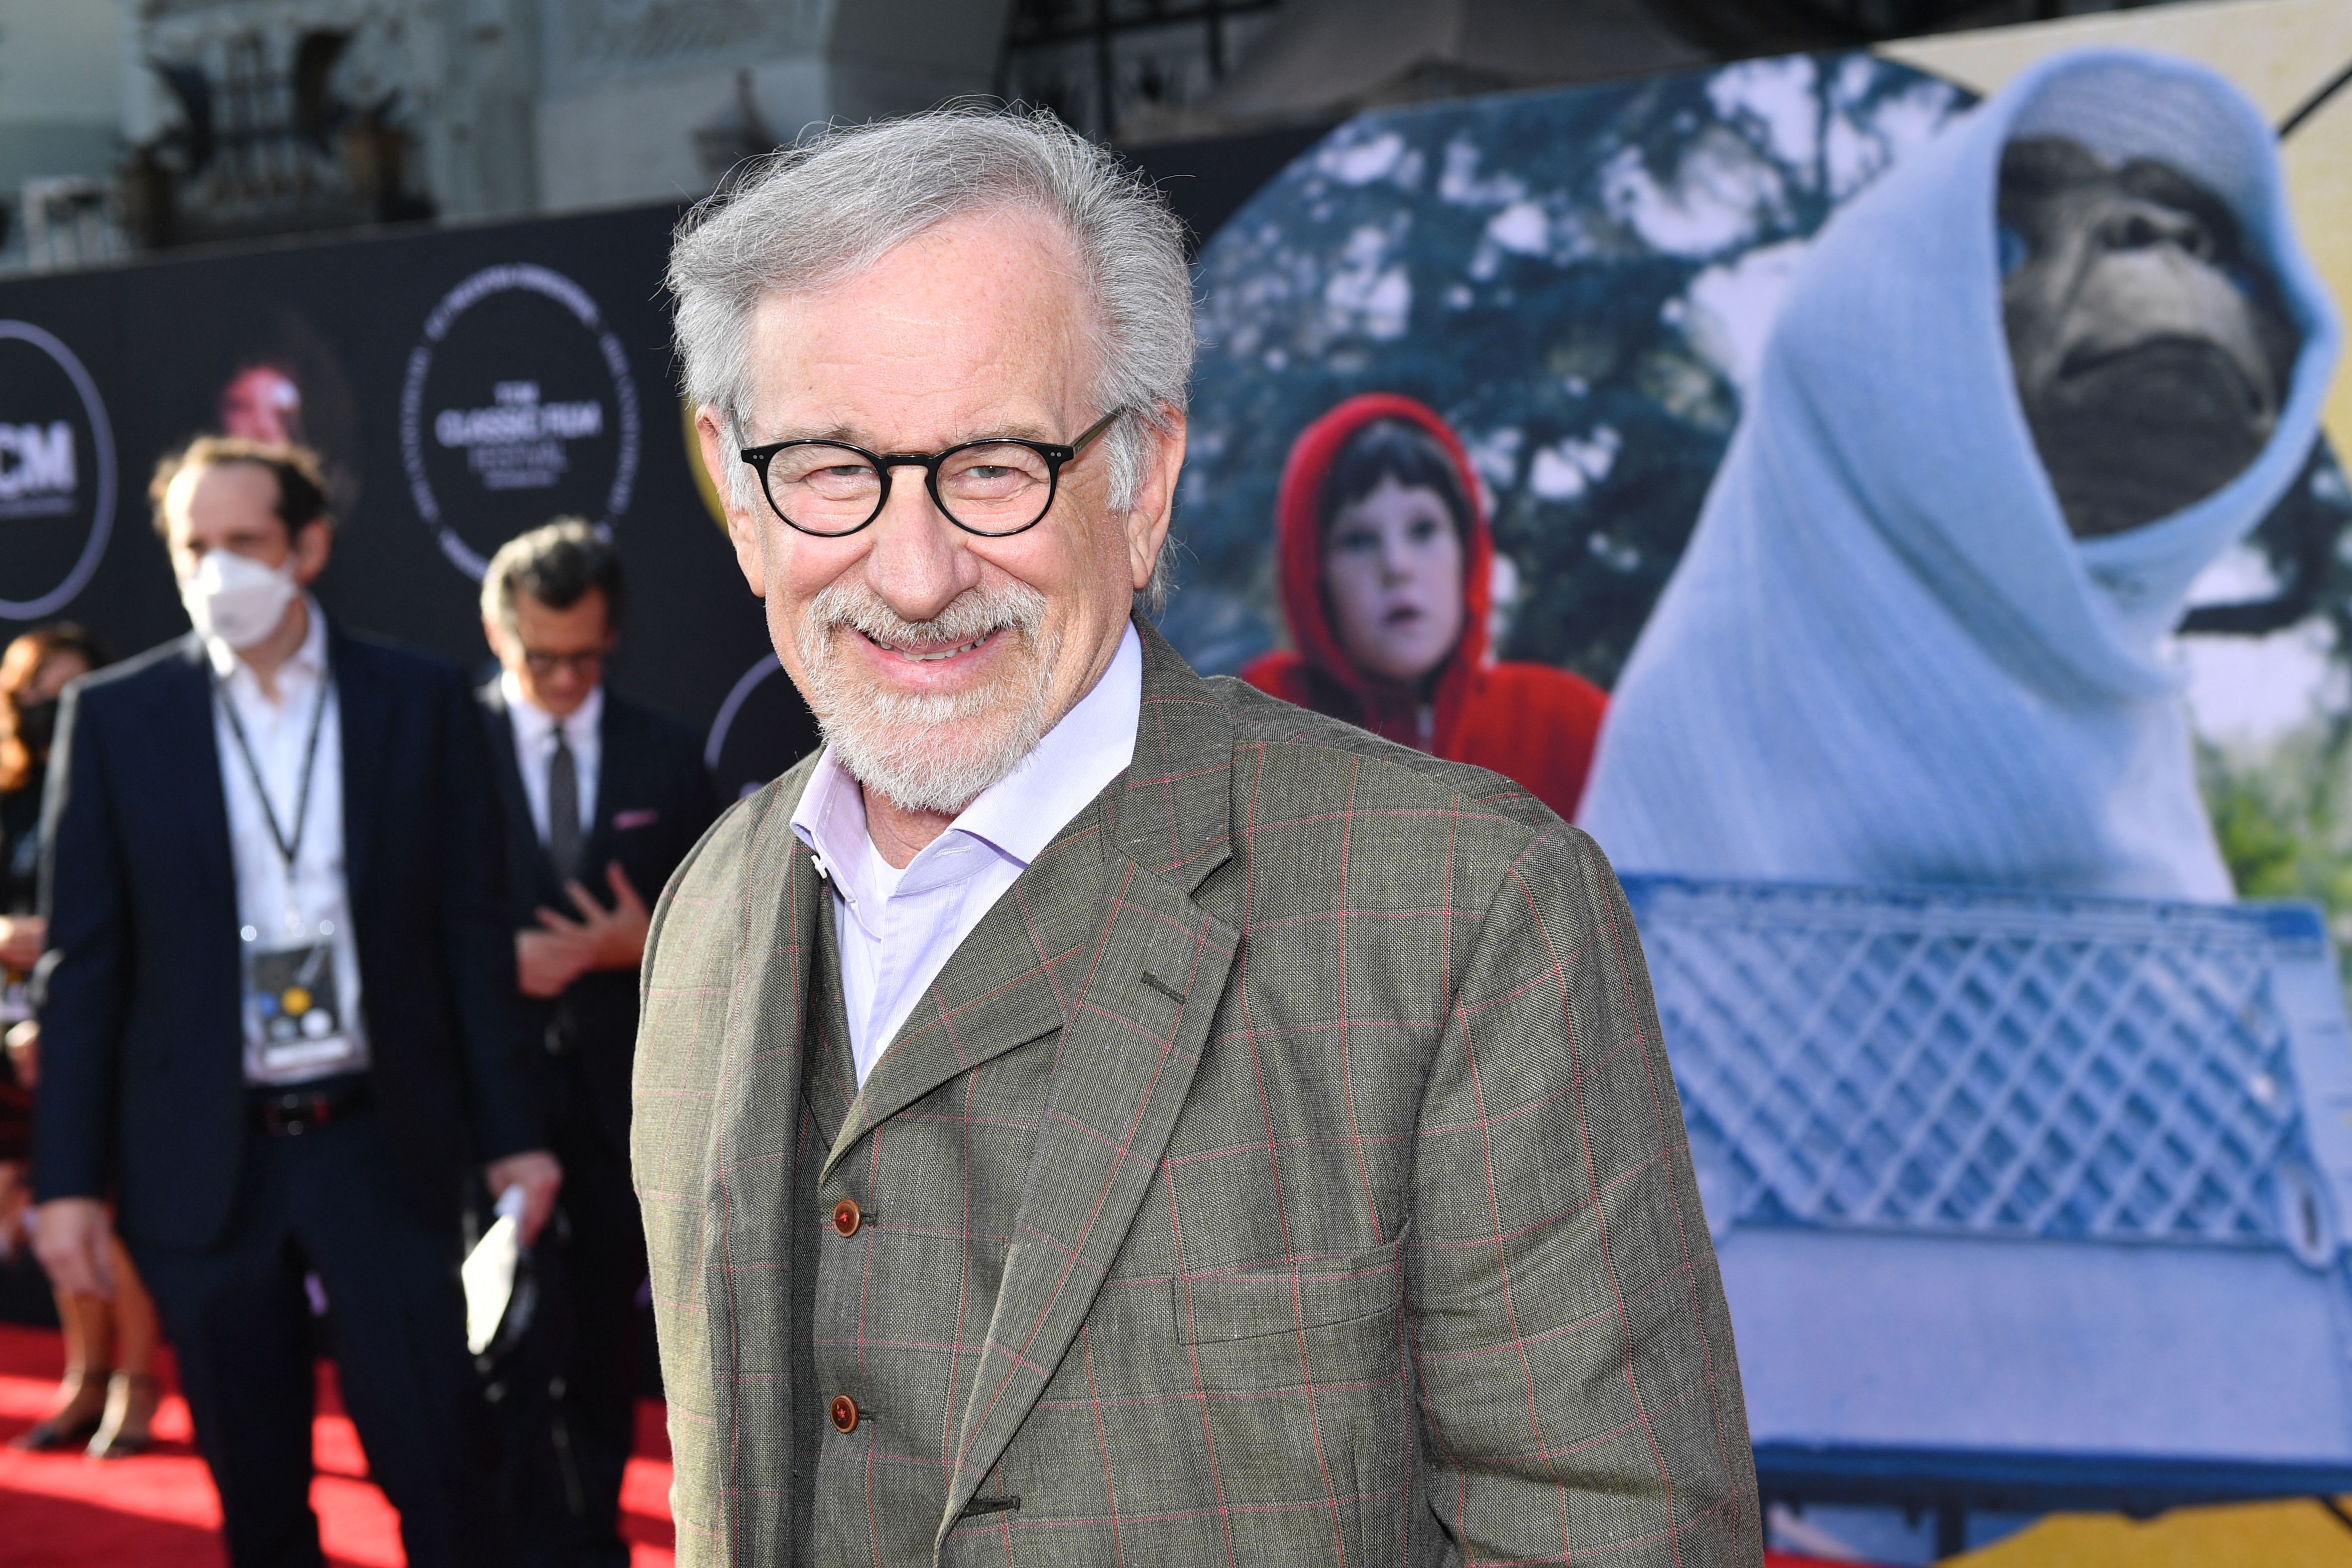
42,568
37,469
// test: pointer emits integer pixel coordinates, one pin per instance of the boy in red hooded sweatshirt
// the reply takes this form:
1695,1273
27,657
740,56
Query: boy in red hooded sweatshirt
1383,567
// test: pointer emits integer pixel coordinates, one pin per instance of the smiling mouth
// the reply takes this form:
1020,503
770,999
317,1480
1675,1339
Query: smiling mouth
931,653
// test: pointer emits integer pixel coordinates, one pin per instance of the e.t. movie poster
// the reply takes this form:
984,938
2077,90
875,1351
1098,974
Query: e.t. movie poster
1887,499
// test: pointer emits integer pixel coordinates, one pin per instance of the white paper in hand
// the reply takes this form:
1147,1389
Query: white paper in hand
489,1272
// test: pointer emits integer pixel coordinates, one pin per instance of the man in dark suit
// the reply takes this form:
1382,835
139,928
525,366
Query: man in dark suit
599,794
279,1021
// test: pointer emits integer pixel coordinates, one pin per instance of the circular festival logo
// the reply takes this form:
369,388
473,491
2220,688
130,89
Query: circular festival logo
56,473
518,407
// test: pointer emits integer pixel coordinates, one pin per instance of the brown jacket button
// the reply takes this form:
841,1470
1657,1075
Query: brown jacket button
846,1219
845,1412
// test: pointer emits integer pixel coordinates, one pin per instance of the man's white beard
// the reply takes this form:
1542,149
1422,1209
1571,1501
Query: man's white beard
928,751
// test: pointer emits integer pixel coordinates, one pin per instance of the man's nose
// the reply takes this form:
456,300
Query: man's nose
917,561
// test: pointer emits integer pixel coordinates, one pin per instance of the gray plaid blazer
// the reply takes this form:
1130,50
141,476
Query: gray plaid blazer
1286,1170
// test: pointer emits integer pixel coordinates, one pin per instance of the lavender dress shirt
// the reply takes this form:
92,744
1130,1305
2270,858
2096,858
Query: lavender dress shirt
899,928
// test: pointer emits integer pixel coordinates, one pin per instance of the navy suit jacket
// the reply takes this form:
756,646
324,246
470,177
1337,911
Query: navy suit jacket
654,799
143,1092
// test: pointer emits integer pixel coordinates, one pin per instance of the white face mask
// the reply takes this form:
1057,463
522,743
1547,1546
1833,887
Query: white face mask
237,600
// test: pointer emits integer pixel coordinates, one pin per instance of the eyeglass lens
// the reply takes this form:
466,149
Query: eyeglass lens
995,488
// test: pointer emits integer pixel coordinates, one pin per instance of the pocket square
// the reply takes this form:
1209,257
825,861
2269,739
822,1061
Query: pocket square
644,816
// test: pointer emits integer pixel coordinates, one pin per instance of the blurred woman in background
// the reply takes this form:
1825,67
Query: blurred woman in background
1385,562
108,1396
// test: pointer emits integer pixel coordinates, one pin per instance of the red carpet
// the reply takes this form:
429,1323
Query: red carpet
159,1510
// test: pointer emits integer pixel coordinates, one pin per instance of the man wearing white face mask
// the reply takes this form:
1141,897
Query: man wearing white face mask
278,1013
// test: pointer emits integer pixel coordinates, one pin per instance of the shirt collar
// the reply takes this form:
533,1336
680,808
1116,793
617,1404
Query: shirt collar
306,661
1016,817
535,726
1020,813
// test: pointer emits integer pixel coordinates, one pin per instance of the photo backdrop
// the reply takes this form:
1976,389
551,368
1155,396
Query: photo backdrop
462,385
1999,1102
2029,1197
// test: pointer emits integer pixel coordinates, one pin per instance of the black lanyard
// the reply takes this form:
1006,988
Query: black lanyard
287,848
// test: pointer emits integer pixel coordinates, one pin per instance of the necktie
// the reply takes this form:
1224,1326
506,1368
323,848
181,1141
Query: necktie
562,809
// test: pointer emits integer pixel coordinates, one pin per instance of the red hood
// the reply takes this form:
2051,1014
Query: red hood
1299,538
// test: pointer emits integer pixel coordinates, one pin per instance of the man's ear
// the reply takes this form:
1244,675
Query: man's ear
719,461
314,542
1155,494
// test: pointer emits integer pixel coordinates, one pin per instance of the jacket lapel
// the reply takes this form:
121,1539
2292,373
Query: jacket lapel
362,712
829,1081
525,855
1007,984
1173,809
187,729
1149,985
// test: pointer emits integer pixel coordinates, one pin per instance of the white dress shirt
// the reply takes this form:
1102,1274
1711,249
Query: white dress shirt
534,739
899,928
317,905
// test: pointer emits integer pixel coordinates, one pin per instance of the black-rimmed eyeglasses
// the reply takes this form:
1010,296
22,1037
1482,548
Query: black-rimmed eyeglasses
996,486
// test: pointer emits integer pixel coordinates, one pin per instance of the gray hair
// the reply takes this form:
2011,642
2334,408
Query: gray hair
807,217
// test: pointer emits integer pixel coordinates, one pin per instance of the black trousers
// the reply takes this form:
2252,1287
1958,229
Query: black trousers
239,1320
569,1397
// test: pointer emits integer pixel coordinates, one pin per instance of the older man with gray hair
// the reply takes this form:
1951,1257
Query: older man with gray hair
1087,1112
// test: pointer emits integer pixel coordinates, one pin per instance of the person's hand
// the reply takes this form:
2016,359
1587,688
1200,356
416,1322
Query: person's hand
614,938
546,961
536,1172
22,938
76,1244
24,1045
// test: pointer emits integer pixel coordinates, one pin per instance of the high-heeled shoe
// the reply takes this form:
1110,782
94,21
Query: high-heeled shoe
71,1423
123,1431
